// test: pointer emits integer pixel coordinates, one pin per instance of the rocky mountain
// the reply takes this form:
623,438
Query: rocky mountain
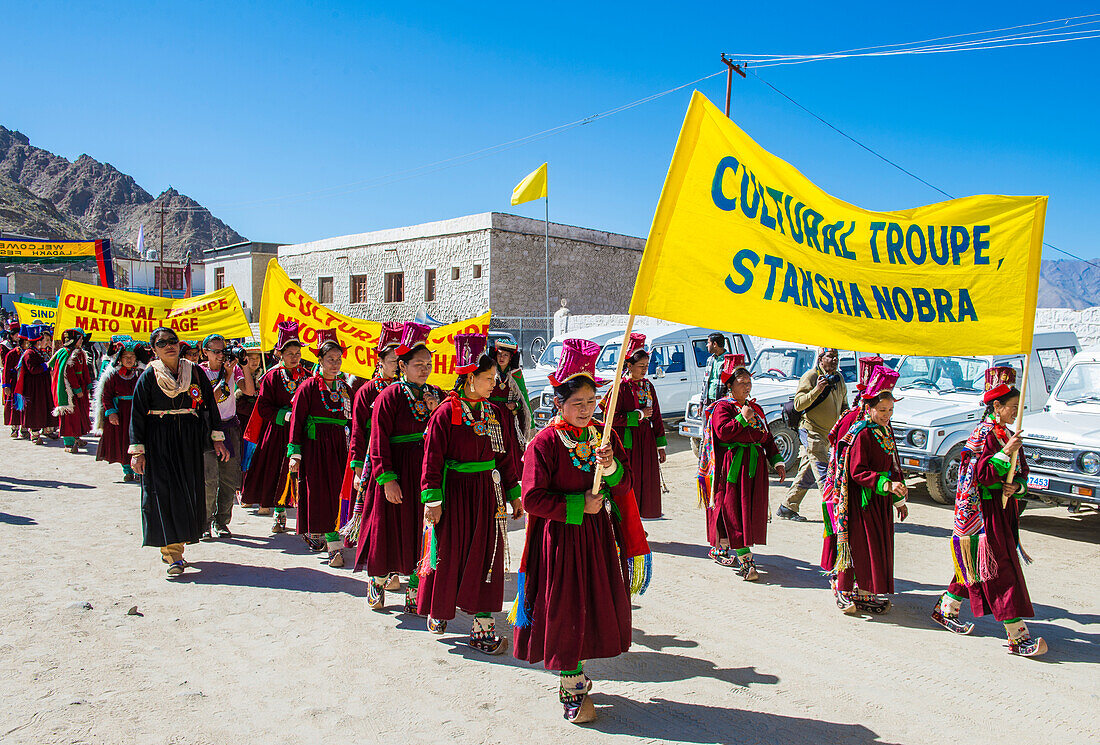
98,201
1069,283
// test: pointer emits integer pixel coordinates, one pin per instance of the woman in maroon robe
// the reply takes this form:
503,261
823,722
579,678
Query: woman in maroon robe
510,396
870,488
13,417
389,544
32,385
70,383
573,599
986,536
318,447
466,481
353,491
267,428
640,427
743,449
114,399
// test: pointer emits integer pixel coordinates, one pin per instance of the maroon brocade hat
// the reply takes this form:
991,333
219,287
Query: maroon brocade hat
324,336
578,358
998,382
389,337
637,341
731,363
413,335
881,380
288,334
468,351
866,365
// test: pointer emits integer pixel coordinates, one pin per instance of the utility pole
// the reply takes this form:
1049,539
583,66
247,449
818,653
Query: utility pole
163,280
729,79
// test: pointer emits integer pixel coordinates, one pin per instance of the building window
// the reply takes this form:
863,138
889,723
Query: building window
454,272
429,285
477,271
219,278
297,281
359,288
395,287
168,277
324,289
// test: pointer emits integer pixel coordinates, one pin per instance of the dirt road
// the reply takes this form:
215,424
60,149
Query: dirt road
263,643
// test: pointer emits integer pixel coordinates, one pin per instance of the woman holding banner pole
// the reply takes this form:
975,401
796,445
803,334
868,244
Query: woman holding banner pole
741,448
267,428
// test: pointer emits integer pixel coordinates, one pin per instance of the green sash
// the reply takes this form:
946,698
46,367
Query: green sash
414,437
313,421
739,449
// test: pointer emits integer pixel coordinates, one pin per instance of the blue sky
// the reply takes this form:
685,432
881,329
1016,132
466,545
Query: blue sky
242,104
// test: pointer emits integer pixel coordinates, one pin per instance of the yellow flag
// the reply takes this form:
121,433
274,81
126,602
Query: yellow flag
742,240
532,187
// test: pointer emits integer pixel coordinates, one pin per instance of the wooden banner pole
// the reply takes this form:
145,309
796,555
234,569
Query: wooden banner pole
1019,424
609,413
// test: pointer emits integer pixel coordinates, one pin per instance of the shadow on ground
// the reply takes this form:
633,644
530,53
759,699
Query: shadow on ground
295,579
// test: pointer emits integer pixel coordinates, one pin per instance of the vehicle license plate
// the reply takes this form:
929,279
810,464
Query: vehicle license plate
1037,482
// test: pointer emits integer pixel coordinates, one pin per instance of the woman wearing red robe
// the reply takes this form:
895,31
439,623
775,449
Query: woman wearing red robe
267,428
510,396
986,536
114,399
13,417
743,449
71,383
640,427
467,480
353,492
318,447
32,384
870,487
389,544
573,599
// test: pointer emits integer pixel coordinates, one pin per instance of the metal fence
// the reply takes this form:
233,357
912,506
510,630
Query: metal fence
531,333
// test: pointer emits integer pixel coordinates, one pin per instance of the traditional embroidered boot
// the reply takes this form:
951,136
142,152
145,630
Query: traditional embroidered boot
946,614
436,626
393,582
747,568
723,557
376,594
279,524
1020,641
410,600
483,637
865,601
573,693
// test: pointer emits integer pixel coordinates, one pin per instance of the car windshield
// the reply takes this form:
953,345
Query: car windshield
943,373
1082,383
608,358
550,355
782,363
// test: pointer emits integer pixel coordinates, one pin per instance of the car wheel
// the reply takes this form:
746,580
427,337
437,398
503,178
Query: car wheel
695,445
943,483
787,441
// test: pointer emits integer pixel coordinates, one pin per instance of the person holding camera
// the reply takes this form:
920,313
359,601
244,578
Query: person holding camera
222,475
821,399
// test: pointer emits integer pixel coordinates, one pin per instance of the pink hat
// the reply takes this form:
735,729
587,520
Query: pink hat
866,365
578,358
288,334
389,337
637,341
731,363
881,380
413,335
468,351
998,382
324,336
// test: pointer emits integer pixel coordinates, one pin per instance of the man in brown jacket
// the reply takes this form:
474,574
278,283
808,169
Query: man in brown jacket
821,397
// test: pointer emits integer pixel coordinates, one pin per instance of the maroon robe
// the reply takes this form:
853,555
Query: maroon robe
362,408
870,528
78,373
499,396
1005,594
390,539
836,435
574,580
467,530
34,385
324,452
645,436
266,474
12,416
740,511
117,398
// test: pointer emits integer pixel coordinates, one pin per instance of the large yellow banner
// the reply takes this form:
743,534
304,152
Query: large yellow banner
285,301
742,240
31,314
45,252
103,312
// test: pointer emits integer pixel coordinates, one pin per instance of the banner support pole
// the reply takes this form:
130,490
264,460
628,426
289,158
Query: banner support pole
609,413
1019,423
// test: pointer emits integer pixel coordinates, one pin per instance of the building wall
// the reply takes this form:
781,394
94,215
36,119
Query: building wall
594,271
239,273
140,277
1086,323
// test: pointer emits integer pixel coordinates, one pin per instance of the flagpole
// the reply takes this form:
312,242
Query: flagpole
549,324
609,412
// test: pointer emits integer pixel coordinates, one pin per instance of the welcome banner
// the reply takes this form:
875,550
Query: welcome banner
34,313
285,301
742,240
103,312
61,252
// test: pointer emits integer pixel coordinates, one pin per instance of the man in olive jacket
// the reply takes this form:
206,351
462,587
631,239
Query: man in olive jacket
821,397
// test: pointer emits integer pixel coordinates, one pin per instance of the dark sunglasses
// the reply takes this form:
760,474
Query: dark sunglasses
216,351
162,343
